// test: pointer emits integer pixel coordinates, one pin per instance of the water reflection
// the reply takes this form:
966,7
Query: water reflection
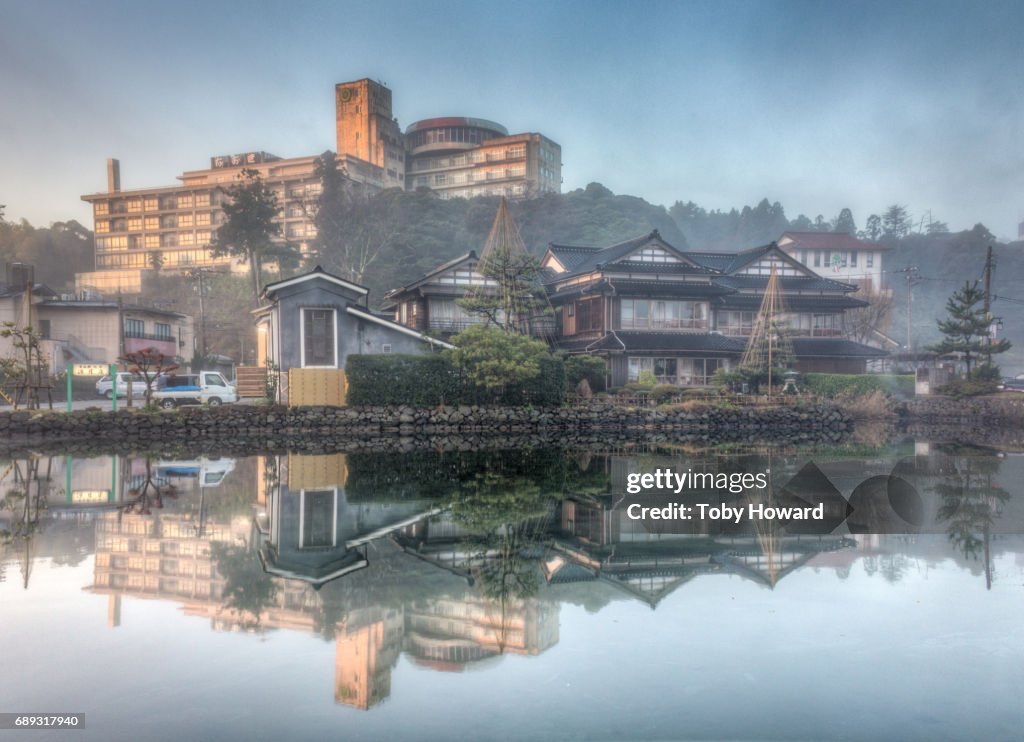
454,560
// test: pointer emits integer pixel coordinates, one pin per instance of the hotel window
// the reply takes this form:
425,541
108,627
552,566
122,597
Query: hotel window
187,238
202,199
152,203
118,243
152,222
656,314
184,202
152,240
101,208
169,240
135,204
318,338
118,225
735,323
203,219
162,330
102,226
135,224
185,220
203,238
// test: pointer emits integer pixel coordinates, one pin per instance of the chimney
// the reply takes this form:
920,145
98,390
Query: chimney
113,175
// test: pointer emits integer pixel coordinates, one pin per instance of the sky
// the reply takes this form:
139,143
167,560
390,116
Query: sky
817,105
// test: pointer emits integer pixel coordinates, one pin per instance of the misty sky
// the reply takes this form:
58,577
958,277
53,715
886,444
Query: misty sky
818,105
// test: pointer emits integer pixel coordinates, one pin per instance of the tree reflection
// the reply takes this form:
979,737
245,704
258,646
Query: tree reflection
27,503
248,590
972,500
148,493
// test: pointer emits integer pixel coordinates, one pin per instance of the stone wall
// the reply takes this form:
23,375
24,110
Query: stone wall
980,411
310,428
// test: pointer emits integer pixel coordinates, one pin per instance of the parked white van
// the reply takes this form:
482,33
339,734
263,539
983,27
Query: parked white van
104,387
205,387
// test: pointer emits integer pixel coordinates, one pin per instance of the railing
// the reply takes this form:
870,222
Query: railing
148,336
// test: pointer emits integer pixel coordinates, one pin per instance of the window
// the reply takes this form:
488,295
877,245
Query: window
102,226
185,220
385,348
44,329
152,240
318,518
152,222
162,330
202,199
135,204
735,322
853,258
134,328
202,238
870,260
184,202
681,371
135,224
658,314
102,209
817,258
203,219
318,338
186,238
151,203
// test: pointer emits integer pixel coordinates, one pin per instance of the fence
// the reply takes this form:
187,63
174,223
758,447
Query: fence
317,386
251,381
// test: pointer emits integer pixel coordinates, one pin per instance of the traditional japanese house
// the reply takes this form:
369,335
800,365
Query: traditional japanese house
644,305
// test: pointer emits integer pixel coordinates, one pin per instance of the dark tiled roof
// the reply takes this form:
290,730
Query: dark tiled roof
796,303
646,289
789,283
830,241
833,348
693,342
582,258
729,262
426,277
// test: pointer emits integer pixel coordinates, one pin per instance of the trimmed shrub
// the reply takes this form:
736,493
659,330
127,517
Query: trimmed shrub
665,393
396,379
961,388
832,385
589,368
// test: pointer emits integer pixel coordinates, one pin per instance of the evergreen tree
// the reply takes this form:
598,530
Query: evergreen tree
966,331
844,222
249,231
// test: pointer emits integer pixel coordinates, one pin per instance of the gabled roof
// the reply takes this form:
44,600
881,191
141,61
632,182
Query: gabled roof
317,272
471,255
731,263
830,241
578,259
366,314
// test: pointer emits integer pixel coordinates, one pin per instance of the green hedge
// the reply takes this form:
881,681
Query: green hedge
429,381
396,379
830,385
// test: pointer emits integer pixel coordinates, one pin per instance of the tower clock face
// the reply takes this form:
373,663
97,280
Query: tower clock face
346,95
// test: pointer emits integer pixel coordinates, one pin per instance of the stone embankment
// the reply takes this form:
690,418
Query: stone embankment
980,411
311,428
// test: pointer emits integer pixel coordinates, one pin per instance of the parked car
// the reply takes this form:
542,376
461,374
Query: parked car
1012,385
205,387
105,387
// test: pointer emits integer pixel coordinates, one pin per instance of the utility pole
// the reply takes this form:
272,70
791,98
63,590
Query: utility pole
912,280
989,265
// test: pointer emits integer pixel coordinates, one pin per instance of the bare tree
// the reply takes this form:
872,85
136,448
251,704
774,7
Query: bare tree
866,323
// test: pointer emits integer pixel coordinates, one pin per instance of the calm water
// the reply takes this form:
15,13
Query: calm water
509,595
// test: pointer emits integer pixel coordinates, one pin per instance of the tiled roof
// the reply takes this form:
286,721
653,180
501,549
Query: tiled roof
789,283
830,241
647,289
833,348
581,258
426,277
796,303
622,340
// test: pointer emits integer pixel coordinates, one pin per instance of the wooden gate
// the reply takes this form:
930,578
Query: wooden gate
251,381
316,386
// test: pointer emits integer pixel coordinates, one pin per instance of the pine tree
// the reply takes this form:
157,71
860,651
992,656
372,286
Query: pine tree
966,331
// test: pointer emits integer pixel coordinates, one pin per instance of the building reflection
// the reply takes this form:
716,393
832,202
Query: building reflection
458,560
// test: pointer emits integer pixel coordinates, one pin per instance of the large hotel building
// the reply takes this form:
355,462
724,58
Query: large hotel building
173,225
